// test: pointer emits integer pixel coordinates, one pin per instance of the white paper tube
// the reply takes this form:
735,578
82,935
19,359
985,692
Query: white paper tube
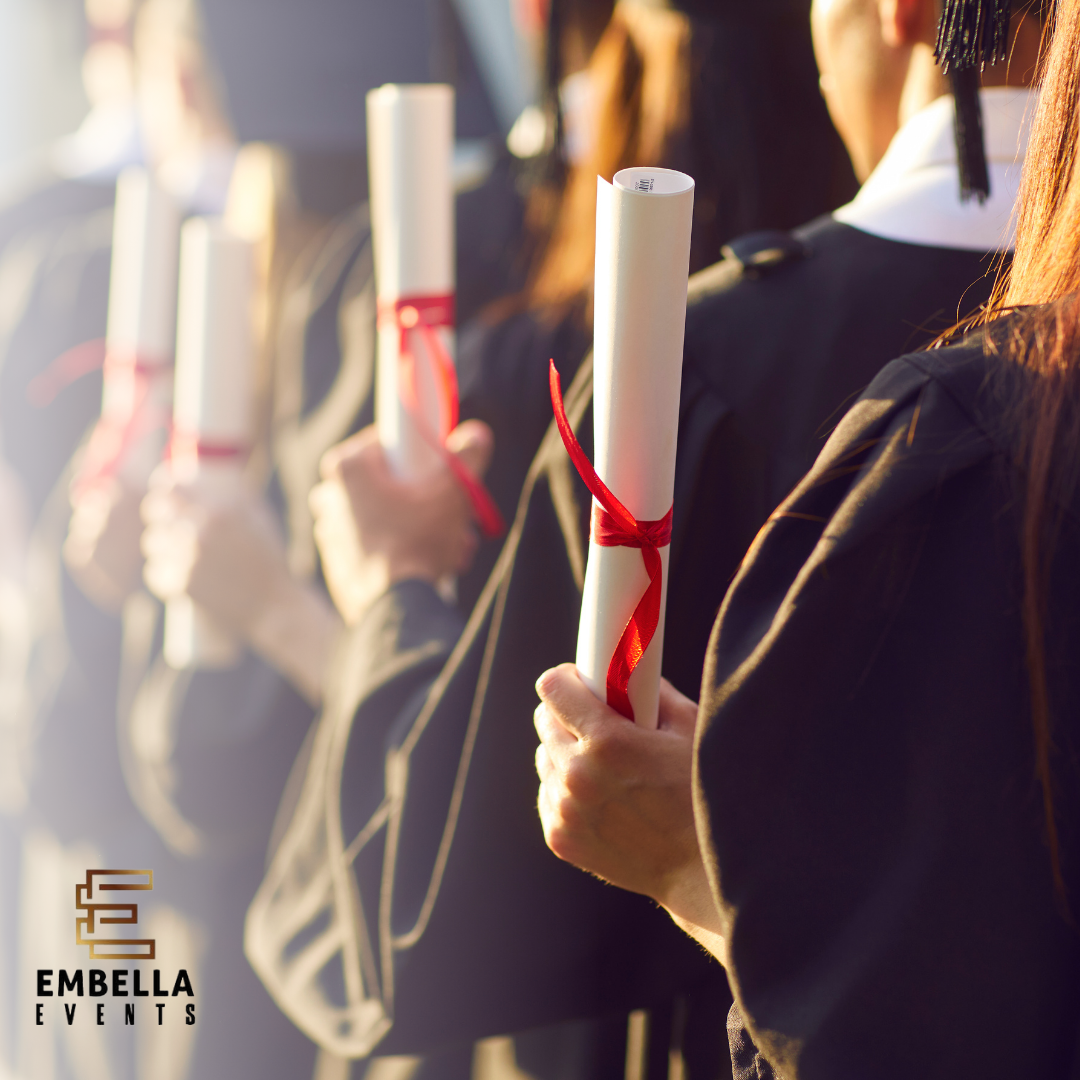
213,403
410,150
642,265
141,326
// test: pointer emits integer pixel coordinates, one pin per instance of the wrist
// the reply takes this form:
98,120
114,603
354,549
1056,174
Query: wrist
401,568
294,631
688,897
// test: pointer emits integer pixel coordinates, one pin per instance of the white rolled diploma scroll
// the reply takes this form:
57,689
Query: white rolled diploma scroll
213,415
141,327
642,266
410,151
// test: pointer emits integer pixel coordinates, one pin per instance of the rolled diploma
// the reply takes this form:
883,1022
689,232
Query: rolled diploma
642,266
215,376
410,150
141,323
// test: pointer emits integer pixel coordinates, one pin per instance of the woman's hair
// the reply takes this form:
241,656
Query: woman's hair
732,102
1045,341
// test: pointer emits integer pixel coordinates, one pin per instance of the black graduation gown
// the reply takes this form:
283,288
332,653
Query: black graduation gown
865,756
771,356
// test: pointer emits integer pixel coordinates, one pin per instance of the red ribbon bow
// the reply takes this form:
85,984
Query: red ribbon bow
614,526
424,315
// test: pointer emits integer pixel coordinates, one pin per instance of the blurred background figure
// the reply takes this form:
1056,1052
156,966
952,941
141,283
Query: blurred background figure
145,71
55,230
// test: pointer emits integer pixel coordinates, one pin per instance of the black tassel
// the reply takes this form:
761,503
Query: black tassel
968,129
971,34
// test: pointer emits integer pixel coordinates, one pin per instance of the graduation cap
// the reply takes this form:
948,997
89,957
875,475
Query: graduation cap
971,34
295,72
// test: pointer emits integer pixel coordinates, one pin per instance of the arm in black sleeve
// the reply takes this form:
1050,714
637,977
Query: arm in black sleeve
864,767
392,657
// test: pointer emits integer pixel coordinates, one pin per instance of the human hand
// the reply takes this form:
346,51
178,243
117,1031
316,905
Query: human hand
615,798
374,528
227,555
102,550
229,558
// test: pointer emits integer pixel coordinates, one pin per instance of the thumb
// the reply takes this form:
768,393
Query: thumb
572,703
473,443
337,457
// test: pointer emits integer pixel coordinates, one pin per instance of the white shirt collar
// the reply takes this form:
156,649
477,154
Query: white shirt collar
914,194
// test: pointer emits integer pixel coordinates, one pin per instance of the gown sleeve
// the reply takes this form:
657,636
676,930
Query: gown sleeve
864,768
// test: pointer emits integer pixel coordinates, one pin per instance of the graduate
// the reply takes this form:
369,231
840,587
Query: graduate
870,821
478,935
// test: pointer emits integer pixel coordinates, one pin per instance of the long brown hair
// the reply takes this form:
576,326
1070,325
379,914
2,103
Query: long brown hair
731,101
1044,338
640,72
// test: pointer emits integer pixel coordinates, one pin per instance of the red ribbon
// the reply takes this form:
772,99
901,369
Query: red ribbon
614,526
111,438
68,367
188,444
424,315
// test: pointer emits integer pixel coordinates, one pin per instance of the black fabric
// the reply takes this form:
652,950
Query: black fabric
762,252
503,378
771,365
865,755
770,360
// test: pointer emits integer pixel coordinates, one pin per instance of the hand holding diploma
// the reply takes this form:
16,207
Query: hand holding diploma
375,528
228,558
213,411
102,547
410,147
615,798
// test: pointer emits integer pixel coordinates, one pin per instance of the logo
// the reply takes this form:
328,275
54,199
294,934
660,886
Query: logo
99,914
